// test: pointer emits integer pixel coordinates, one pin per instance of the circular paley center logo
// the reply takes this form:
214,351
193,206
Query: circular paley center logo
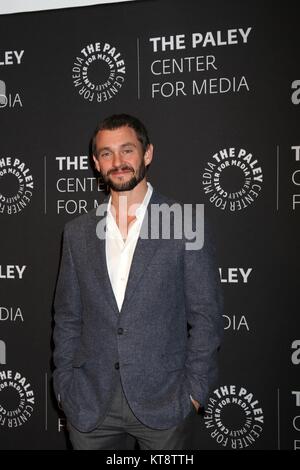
16,399
98,72
16,185
232,179
234,417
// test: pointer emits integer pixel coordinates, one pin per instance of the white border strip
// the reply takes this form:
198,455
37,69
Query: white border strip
19,6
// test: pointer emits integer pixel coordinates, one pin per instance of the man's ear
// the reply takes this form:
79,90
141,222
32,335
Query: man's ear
97,165
148,155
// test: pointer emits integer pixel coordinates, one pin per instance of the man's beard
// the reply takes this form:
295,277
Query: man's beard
127,185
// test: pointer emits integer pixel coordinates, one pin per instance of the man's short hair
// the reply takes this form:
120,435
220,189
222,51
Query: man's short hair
120,120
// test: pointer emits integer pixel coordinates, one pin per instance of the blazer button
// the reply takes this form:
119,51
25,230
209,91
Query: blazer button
117,365
120,331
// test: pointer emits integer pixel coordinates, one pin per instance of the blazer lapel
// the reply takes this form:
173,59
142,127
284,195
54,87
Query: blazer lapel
97,257
144,252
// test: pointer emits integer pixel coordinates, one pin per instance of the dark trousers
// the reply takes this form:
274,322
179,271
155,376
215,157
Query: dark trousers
120,430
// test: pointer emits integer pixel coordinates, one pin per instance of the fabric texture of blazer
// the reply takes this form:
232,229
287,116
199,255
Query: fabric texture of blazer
163,342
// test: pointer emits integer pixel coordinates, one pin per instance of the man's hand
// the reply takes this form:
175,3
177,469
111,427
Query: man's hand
196,404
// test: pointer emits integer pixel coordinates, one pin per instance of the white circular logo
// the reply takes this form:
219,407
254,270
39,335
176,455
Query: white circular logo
16,185
16,399
98,72
234,417
232,179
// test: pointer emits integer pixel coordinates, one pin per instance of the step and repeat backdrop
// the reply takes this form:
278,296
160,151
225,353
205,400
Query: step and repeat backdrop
218,86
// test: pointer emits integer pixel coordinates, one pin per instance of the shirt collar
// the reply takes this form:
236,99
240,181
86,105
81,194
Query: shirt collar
140,211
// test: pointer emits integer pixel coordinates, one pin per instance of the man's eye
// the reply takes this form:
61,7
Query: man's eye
104,155
127,150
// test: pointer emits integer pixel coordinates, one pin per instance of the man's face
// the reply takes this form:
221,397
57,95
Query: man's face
120,158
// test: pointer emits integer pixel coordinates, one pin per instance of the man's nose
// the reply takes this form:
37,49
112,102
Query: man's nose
117,159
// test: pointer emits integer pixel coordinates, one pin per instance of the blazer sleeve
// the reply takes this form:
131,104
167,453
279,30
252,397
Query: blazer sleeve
204,311
67,317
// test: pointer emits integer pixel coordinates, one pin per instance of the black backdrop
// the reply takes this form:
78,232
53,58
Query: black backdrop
235,87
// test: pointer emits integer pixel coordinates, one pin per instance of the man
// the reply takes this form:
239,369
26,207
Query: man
138,318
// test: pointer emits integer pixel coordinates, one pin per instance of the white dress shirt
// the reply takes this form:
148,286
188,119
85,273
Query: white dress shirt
119,252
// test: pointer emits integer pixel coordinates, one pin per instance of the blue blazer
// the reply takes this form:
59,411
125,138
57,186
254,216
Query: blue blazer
163,342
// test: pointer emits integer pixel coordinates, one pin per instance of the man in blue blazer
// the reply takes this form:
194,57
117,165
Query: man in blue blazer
138,310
